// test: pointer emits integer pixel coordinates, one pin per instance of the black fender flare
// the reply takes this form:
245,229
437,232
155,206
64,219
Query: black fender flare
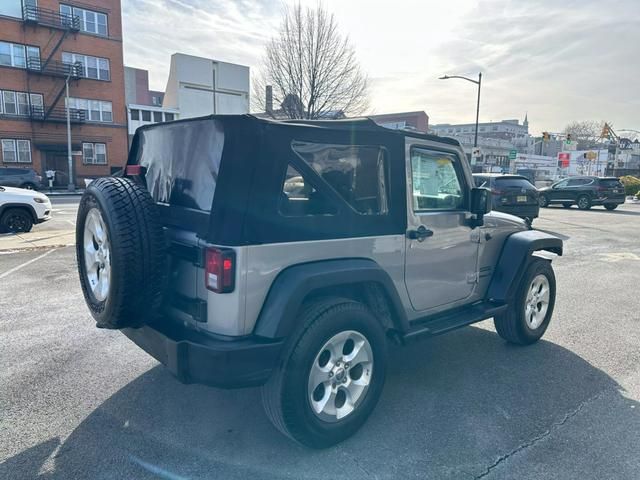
516,254
278,316
23,206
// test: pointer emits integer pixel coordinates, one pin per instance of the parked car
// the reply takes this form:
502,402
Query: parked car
20,209
297,250
513,194
584,192
20,177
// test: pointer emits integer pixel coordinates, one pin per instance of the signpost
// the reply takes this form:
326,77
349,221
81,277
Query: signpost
513,154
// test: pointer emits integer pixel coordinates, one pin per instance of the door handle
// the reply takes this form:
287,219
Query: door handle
419,233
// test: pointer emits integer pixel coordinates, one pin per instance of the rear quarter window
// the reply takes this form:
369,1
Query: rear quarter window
610,183
358,173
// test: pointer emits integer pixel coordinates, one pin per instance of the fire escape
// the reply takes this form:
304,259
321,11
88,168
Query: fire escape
61,26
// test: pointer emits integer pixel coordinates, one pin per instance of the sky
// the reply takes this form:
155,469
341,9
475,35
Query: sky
555,61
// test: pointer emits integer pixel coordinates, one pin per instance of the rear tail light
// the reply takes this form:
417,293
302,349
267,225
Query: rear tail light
220,270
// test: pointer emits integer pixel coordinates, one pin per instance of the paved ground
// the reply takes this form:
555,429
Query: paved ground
77,402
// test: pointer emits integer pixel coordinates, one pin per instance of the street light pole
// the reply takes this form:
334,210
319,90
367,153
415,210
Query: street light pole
479,83
475,140
71,187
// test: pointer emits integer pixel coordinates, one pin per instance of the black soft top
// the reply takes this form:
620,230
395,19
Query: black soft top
222,176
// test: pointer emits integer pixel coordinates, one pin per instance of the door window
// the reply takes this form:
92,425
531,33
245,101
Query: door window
577,182
435,182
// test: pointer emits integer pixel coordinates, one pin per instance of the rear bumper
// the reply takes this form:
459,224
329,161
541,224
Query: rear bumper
617,200
198,357
522,211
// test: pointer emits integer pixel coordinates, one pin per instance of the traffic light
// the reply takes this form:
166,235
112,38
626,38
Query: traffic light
568,138
545,136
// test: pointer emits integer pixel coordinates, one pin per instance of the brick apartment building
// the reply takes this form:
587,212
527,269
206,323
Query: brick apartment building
42,42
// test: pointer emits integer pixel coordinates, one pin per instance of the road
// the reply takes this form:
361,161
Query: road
63,215
78,402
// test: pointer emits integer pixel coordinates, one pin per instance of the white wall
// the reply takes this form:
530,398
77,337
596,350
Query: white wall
192,81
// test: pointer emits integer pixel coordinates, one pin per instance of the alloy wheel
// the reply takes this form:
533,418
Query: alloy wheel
340,376
537,301
97,254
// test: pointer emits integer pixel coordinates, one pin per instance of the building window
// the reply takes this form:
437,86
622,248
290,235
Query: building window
135,114
169,117
94,153
146,115
92,67
23,103
90,21
9,102
15,55
94,110
16,151
20,103
157,116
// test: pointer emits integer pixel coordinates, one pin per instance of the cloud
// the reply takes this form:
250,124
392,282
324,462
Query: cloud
558,61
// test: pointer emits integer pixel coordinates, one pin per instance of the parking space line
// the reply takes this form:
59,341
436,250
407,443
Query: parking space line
15,269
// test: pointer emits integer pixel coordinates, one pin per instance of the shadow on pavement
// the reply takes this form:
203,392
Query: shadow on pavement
451,407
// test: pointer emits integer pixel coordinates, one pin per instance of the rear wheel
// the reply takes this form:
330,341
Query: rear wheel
567,204
528,318
121,253
332,377
543,200
17,220
584,202
611,206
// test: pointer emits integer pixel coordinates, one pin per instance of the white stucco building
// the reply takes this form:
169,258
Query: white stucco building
201,86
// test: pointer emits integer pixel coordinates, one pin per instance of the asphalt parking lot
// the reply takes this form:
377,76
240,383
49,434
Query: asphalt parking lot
78,402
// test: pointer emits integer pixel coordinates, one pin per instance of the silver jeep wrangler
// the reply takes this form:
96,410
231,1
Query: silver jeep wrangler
240,252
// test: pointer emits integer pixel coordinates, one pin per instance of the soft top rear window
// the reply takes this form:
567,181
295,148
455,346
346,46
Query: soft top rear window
513,182
182,162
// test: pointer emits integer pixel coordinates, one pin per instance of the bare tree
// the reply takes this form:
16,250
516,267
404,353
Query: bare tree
587,133
311,67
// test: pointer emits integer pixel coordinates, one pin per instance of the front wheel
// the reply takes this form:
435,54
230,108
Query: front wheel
543,201
584,202
528,317
332,376
17,220
611,206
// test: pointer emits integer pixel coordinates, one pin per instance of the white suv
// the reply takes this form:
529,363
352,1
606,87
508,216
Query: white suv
21,208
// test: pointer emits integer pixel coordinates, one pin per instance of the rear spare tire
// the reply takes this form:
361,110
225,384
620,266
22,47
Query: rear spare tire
120,249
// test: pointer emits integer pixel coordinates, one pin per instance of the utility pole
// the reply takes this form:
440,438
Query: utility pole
71,187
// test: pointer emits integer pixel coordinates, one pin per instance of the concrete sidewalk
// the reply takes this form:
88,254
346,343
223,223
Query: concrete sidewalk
32,240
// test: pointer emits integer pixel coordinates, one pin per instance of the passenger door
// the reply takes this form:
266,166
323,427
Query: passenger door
441,248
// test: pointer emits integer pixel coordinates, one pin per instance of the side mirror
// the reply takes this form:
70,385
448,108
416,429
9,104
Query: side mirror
480,201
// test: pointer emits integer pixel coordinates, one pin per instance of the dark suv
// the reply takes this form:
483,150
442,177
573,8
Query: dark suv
20,177
584,192
513,194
